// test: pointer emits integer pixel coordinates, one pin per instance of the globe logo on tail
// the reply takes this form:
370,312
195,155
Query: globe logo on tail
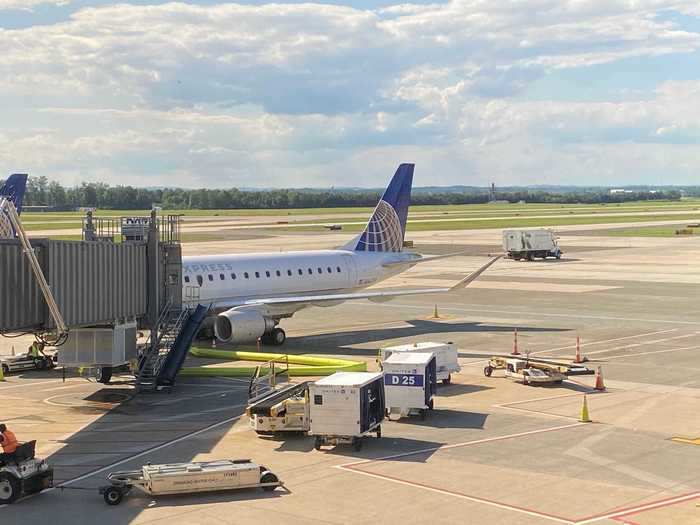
383,232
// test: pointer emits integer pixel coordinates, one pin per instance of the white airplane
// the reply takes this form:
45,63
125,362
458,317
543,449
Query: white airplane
251,293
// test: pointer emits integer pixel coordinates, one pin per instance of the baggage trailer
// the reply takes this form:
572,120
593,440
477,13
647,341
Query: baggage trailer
345,407
535,371
283,410
188,478
446,357
410,381
529,244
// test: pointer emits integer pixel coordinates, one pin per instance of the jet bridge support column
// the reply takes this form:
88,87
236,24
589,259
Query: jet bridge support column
153,292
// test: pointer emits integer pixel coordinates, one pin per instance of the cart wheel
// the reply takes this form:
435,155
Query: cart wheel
357,444
268,477
10,488
113,496
317,443
488,370
447,380
379,432
431,405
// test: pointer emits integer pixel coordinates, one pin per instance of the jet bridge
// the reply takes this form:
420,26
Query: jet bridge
124,273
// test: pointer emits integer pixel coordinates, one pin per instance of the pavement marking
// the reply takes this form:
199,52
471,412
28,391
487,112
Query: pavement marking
34,384
353,467
601,341
485,310
640,508
690,441
635,345
87,383
180,399
653,352
508,406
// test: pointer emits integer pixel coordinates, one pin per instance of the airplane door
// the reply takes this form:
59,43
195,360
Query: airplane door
350,268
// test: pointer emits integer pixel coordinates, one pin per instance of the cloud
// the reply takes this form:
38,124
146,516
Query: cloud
28,5
235,94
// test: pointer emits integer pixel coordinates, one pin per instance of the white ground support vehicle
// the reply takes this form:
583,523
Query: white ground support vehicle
530,244
409,383
282,410
346,406
19,363
446,357
532,374
188,478
24,474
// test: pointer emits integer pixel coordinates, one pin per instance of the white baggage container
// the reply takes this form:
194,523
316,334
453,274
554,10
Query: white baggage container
345,406
446,357
410,381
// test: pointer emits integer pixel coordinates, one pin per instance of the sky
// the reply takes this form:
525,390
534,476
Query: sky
291,94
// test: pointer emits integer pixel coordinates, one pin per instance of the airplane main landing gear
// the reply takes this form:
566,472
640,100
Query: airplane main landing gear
276,337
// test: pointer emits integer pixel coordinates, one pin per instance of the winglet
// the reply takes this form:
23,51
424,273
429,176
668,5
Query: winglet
474,275
386,228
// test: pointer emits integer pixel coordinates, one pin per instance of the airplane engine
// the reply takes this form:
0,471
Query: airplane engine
241,326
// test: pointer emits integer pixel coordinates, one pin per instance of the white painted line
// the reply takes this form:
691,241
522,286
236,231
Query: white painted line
473,499
602,341
35,384
464,444
653,352
86,383
143,453
486,310
641,508
351,467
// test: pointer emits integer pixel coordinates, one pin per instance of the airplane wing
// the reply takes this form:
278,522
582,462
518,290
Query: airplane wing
374,295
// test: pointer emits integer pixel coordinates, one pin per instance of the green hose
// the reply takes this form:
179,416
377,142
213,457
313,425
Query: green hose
310,366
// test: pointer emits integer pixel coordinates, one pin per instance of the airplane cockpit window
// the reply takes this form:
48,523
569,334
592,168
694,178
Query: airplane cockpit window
200,280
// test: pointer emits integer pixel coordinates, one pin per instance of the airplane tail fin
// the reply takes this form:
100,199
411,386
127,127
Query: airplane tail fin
386,228
14,188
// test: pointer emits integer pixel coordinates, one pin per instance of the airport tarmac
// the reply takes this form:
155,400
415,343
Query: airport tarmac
494,451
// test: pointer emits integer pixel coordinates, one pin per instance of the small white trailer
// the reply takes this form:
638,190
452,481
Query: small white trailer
529,244
410,381
346,406
446,357
188,478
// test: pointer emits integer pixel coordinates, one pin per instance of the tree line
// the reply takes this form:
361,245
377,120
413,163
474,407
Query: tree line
42,192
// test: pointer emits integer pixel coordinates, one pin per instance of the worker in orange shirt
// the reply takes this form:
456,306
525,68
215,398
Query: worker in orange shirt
8,442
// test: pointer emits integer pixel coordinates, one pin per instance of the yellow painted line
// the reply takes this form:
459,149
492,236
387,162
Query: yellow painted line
689,441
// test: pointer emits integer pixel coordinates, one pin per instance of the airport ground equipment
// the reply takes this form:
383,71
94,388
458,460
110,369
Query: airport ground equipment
300,365
20,363
24,474
446,356
531,244
410,381
285,409
346,406
189,478
160,365
534,371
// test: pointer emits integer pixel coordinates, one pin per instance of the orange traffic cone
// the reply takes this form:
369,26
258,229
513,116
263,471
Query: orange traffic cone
515,342
578,358
599,385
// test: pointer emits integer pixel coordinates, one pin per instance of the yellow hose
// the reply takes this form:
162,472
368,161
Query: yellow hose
310,366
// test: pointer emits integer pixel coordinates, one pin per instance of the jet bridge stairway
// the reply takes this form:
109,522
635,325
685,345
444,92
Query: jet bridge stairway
163,360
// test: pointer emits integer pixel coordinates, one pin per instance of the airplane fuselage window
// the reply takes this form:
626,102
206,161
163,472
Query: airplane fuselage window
211,277
221,276
329,270
233,276
257,275
300,271
337,269
278,273
245,274
200,280
310,271
267,273
187,278
289,272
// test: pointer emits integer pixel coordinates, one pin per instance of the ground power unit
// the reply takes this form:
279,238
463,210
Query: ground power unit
345,407
446,357
410,381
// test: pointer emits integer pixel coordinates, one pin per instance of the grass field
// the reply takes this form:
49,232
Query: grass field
648,231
